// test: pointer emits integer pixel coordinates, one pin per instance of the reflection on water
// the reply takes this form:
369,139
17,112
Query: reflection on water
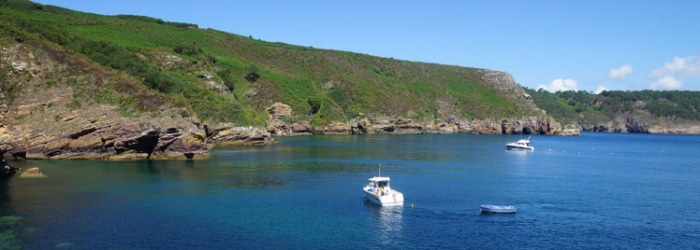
389,222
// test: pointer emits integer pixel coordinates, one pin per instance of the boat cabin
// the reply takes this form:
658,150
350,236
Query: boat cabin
378,182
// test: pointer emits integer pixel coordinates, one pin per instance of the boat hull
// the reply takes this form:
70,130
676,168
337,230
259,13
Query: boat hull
509,147
494,209
393,198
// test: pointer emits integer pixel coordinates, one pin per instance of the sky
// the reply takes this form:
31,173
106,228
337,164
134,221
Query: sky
589,45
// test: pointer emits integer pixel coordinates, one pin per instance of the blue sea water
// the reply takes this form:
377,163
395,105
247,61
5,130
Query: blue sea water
595,191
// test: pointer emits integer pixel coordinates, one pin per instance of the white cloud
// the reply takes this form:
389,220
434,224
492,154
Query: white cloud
600,89
666,83
672,75
621,73
683,66
560,85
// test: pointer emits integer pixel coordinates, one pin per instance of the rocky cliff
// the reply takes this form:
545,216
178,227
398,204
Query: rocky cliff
449,119
176,91
47,118
51,121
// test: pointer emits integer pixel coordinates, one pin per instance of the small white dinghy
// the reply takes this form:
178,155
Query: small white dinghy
496,209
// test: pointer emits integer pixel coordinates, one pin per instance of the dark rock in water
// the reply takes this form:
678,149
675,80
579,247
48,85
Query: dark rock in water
6,169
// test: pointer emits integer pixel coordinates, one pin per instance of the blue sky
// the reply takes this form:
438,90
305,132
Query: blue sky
556,45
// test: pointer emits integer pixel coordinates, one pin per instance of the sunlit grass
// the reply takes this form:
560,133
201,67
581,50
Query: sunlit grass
286,73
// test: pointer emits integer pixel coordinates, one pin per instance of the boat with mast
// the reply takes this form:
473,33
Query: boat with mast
379,191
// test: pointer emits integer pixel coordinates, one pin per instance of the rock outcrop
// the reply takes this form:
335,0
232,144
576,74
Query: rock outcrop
115,142
335,128
633,125
621,124
228,134
364,124
47,118
531,125
32,173
505,84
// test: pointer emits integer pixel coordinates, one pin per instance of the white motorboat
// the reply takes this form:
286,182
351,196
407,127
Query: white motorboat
379,191
496,209
522,144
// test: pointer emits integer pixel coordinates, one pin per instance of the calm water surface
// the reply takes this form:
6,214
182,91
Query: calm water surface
602,191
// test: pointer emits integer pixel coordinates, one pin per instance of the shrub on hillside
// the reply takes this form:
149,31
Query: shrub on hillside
190,49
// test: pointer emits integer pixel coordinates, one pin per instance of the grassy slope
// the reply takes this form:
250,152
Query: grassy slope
343,83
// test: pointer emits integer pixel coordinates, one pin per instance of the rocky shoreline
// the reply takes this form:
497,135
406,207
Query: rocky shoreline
134,140
116,139
192,141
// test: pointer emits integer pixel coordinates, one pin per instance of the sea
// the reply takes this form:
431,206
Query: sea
594,191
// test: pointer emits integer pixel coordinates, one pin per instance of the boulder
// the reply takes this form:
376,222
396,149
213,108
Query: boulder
570,132
32,173
360,126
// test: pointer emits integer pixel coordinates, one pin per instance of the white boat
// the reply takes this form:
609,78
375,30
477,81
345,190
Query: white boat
379,191
522,144
496,209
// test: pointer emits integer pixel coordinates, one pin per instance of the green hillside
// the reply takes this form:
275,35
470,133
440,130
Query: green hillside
581,107
150,63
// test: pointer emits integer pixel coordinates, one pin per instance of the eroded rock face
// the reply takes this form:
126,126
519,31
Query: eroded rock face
176,143
279,111
621,124
634,125
117,142
531,125
505,83
365,124
229,134
336,128
400,126
47,118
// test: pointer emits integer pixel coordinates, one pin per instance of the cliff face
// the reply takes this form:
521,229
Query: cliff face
449,119
47,118
504,83
621,124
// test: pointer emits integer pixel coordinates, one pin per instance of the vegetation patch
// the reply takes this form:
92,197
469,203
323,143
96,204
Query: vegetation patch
123,61
573,106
